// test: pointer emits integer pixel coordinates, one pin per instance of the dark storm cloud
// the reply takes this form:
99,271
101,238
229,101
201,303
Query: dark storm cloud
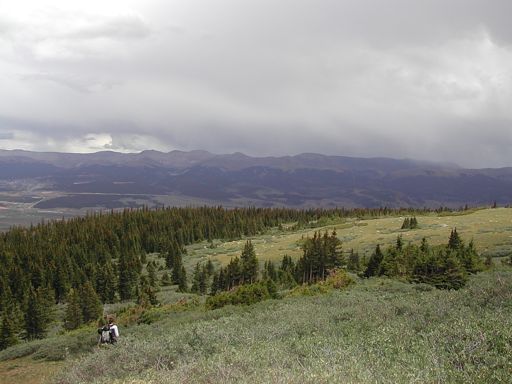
426,79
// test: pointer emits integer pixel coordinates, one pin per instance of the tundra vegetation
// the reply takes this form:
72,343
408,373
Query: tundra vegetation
406,311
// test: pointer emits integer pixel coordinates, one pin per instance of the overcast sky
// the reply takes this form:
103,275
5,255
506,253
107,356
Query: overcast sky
425,79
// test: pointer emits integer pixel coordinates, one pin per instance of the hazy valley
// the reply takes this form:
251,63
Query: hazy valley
35,185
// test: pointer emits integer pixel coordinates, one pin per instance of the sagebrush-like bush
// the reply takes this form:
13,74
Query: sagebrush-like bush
244,294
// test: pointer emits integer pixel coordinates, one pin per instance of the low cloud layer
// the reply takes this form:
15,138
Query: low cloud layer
428,80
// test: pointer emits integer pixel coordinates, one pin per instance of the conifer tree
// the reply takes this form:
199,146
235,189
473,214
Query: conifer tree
232,275
215,284
129,269
90,303
11,320
269,271
454,242
249,263
195,279
373,268
209,267
470,259
152,278
111,284
179,274
38,313
424,245
203,280
399,243
182,283
8,332
73,317
354,263
146,294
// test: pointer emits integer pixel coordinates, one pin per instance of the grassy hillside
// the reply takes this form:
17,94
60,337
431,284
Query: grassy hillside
377,331
380,331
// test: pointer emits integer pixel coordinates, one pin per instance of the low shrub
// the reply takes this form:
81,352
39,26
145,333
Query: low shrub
337,279
243,294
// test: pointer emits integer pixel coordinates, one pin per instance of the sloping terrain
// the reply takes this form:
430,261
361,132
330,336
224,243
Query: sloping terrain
380,331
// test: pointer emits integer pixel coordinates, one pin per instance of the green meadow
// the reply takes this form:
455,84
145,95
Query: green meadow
490,229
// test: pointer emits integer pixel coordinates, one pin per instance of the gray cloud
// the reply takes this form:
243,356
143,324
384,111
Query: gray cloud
6,136
429,80
119,27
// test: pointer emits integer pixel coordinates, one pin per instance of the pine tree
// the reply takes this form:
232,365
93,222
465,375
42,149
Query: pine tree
209,267
354,263
373,268
8,335
90,303
146,294
128,275
152,278
73,317
399,243
195,279
38,313
469,258
249,263
269,271
179,274
182,283
203,280
424,247
215,284
454,242
232,275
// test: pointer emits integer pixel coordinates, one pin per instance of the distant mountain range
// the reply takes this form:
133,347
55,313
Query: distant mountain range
113,180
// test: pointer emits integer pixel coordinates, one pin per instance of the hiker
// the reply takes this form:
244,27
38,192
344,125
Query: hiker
108,333
114,331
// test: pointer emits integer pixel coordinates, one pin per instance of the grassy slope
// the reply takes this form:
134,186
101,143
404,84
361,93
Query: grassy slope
491,230
27,371
380,331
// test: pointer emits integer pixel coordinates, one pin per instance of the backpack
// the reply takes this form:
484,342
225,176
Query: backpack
105,335
113,337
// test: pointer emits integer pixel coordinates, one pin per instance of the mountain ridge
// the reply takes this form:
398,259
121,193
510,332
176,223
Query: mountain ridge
303,180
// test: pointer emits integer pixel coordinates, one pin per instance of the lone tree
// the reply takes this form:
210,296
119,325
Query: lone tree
454,242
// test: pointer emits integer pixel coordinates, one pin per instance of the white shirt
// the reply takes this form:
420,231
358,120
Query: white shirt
116,331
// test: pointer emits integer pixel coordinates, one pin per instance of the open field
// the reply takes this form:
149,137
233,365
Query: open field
491,230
